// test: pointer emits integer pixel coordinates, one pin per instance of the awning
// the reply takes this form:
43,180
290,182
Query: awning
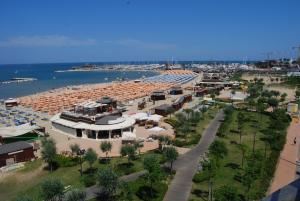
128,136
17,130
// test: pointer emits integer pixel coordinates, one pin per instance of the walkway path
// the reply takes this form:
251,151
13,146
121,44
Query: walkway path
286,168
186,165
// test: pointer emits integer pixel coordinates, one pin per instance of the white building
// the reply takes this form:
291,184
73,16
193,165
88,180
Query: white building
95,120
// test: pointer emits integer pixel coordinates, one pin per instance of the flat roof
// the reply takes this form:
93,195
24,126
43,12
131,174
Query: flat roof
128,121
163,107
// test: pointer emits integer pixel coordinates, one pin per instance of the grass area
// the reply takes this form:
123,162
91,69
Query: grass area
32,165
140,185
230,166
27,180
192,137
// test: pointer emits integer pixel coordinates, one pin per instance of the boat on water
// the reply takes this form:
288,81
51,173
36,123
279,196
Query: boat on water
19,79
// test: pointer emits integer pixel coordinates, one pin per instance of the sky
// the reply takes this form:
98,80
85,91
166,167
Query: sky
44,31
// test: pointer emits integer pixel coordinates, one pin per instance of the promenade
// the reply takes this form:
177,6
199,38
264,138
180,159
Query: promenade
286,167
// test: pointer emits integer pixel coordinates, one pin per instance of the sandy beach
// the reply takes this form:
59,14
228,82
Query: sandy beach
54,101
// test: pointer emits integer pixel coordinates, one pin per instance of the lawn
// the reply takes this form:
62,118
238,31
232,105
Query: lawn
230,165
26,181
137,187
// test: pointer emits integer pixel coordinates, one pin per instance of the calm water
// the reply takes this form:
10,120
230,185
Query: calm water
49,79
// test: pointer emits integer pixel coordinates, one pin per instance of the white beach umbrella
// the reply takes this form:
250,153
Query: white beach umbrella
156,129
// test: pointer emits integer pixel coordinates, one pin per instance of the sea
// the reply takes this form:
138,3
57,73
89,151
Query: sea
48,79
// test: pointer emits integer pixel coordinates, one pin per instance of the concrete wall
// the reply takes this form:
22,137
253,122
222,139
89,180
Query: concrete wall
64,129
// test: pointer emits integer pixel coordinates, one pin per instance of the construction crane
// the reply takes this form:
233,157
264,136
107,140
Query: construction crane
297,47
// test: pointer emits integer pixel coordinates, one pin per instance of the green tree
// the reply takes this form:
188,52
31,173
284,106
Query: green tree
251,103
126,193
181,117
283,97
218,149
188,111
129,151
48,151
273,102
151,164
226,193
275,93
90,156
78,152
171,155
210,168
108,181
52,190
195,117
75,195
163,140
266,94
260,107
106,147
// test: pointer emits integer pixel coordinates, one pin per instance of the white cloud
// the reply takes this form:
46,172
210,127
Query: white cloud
141,44
46,41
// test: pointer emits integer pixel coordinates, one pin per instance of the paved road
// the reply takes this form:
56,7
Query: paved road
186,165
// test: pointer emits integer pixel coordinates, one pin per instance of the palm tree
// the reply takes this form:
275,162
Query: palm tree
240,122
188,111
243,149
138,146
106,146
171,155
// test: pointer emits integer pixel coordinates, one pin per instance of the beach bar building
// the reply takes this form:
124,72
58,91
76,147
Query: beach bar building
16,152
158,95
163,110
11,102
94,120
176,90
178,104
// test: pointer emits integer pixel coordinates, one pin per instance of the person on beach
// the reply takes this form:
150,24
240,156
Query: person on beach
295,140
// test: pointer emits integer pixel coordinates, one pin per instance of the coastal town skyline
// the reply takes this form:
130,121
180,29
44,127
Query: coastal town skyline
102,31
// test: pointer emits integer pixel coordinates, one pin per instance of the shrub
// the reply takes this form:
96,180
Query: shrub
178,143
200,177
88,180
195,139
65,161
173,122
144,193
